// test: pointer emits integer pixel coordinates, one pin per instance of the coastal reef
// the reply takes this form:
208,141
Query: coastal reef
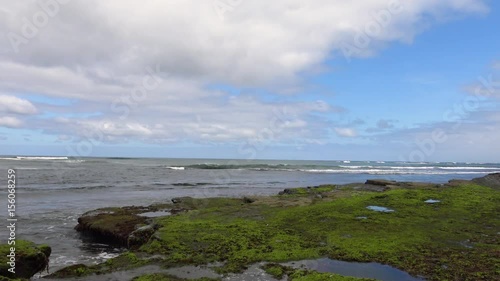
430,231
29,259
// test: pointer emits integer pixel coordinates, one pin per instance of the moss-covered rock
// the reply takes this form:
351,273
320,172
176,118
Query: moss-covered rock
141,235
117,226
491,180
28,258
125,261
76,270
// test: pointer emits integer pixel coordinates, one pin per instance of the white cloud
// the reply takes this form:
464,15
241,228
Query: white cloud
487,86
257,42
346,132
11,104
10,122
472,138
96,53
382,125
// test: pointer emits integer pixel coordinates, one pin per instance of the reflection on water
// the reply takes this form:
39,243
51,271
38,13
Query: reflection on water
356,269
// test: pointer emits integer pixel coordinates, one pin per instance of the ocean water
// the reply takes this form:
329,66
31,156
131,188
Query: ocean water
52,192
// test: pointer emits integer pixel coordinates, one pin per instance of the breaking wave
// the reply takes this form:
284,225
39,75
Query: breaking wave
392,169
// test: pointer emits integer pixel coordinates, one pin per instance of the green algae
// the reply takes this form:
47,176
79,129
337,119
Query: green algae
420,238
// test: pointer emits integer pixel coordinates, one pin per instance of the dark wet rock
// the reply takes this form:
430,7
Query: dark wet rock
29,259
380,182
248,200
491,180
111,227
129,226
141,235
288,191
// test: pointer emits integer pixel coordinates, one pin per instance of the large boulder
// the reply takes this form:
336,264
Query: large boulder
111,226
28,257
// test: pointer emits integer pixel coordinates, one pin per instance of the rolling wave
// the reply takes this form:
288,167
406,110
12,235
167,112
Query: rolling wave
35,158
208,166
468,168
41,158
395,172
392,169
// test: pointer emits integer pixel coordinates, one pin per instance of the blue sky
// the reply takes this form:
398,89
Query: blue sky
256,80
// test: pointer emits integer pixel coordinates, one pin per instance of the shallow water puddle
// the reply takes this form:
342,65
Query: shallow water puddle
192,272
156,214
356,269
380,209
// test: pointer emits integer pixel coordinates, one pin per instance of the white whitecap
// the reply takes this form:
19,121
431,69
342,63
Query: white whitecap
41,158
175,168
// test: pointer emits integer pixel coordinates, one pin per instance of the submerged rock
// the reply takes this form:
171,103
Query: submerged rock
29,259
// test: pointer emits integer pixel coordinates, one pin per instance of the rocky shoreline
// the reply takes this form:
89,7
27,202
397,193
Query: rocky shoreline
432,231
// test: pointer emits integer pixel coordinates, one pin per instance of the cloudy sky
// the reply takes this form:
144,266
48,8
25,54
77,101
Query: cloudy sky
414,80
